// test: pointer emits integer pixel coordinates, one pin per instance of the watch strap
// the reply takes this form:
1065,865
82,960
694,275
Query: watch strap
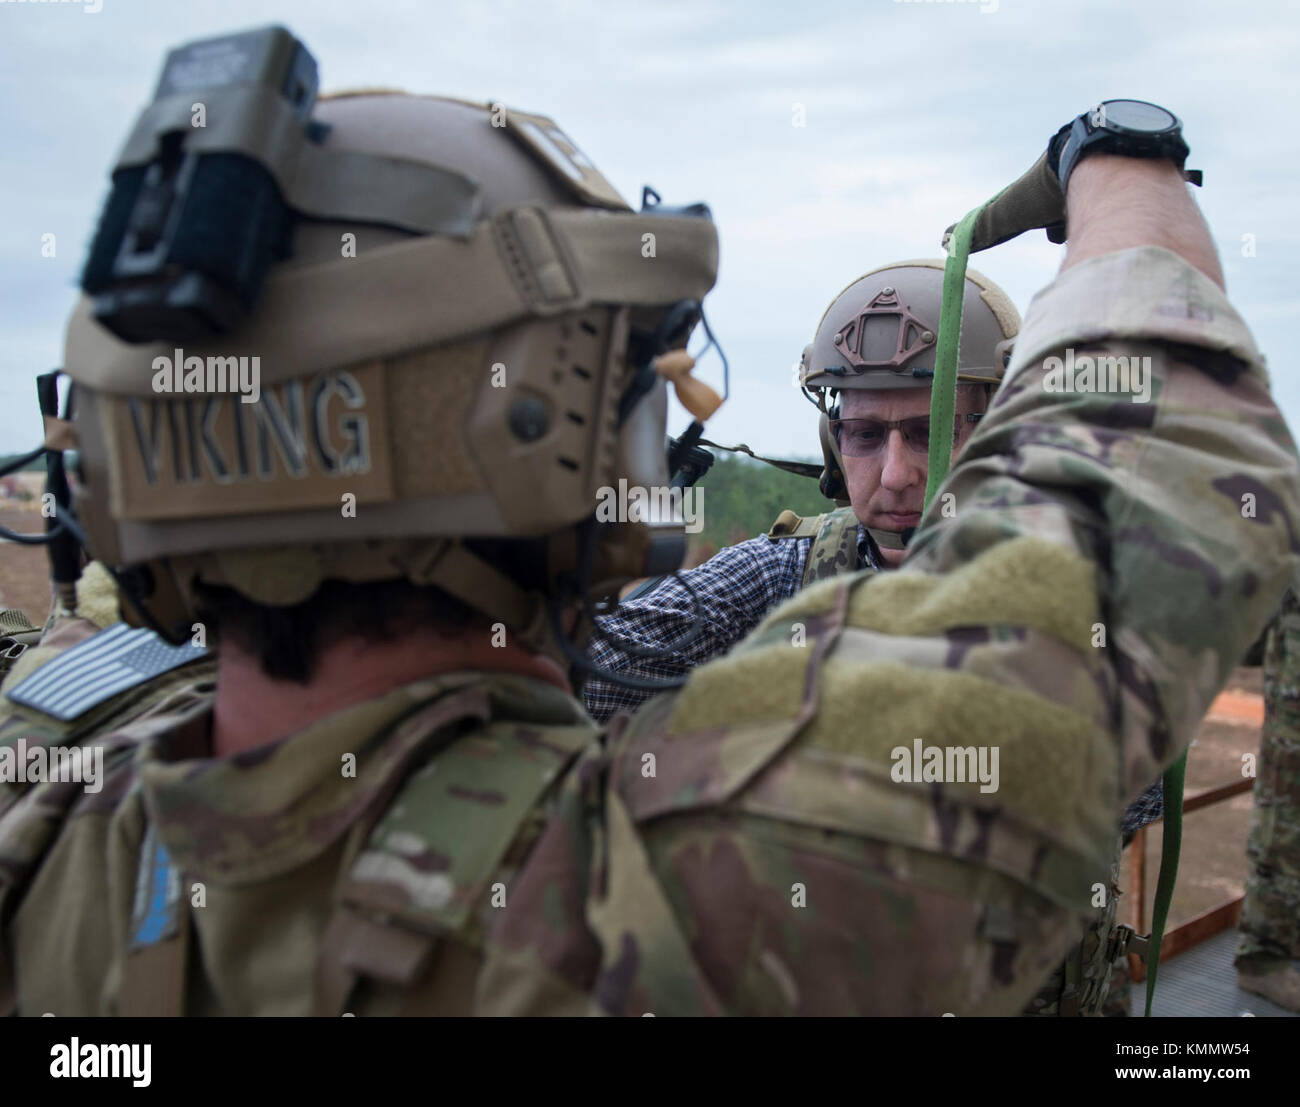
1077,139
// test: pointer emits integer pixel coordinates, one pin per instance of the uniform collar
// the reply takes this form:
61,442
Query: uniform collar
260,813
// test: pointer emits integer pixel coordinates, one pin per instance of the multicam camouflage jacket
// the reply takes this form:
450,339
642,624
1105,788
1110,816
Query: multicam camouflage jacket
351,867
1270,916
757,842
746,845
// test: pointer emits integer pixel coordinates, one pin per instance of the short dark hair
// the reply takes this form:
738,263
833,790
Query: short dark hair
288,641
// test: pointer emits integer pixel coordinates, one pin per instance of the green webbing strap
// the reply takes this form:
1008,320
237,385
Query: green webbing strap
943,403
1170,844
943,391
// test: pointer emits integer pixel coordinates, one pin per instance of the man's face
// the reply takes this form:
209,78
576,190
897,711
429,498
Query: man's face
887,490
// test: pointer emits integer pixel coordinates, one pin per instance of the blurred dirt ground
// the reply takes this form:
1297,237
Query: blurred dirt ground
24,570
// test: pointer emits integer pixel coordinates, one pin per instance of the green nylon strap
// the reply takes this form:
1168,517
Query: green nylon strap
943,402
1170,844
943,390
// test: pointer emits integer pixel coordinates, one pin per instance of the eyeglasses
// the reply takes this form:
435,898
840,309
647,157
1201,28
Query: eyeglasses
867,437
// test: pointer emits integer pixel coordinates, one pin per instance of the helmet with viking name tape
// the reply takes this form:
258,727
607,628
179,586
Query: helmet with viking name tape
347,338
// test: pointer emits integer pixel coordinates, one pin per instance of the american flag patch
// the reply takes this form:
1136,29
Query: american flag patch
98,669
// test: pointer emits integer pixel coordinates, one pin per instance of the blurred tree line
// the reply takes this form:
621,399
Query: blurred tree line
742,498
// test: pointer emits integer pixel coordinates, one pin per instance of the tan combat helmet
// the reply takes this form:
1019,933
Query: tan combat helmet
881,332
455,341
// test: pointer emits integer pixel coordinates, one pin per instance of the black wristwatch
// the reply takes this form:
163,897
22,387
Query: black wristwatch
1132,128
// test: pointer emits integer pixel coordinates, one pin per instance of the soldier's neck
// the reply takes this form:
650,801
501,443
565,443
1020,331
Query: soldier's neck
252,709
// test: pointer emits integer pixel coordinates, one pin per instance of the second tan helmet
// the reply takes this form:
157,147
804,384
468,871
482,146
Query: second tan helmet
881,332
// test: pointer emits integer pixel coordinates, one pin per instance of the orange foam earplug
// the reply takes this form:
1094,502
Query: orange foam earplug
695,396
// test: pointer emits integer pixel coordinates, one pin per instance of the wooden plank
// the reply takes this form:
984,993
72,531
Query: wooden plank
1212,795
1205,925
1235,705
1138,867
1216,795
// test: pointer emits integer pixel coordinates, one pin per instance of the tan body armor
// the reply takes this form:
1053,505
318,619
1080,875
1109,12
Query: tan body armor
834,548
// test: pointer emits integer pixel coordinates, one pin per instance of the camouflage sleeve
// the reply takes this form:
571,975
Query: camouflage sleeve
1270,916
899,796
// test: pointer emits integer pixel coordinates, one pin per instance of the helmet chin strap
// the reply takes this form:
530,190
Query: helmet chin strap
891,539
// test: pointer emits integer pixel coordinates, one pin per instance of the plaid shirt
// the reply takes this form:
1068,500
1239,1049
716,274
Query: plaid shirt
1147,808
735,589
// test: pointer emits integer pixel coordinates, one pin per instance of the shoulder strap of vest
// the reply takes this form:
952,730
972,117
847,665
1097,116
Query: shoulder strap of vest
790,525
425,870
834,548
156,966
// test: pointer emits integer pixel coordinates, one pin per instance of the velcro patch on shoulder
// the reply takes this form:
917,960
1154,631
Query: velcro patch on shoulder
98,669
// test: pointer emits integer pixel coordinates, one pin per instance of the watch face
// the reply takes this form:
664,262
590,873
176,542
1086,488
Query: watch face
1137,116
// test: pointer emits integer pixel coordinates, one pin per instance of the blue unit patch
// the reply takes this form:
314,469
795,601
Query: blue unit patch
155,916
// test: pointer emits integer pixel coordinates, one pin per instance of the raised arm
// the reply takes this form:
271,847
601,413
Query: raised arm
779,838
1118,203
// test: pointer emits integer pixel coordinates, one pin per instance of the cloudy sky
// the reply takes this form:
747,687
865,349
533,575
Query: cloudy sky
913,113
